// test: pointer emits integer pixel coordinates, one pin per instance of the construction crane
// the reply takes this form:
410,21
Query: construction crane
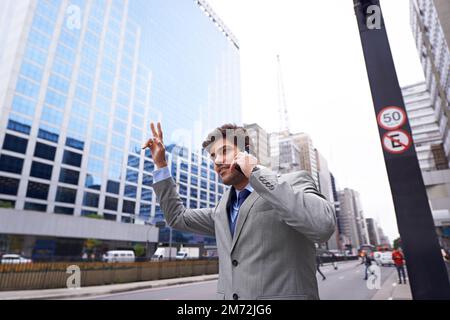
282,105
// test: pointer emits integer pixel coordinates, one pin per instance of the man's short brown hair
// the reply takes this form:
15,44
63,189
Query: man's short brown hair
235,134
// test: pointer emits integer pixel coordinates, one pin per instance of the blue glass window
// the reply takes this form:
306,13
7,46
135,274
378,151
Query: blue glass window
146,194
132,176
145,211
112,187
55,99
35,55
11,164
74,143
47,135
41,170
62,68
66,195
128,206
52,116
193,204
97,149
147,180
133,161
183,190
93,181
15,144
149,166
72,158
91,199
35,207
69,176
23,105
44,151
31,71
19,126
9,186
59,83
130,191
37,190
64,210
111,203
27,88
95,165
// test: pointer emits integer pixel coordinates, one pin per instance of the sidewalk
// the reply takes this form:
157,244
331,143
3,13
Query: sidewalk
391,290
53,294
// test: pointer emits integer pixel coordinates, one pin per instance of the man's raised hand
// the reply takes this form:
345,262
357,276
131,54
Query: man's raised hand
156,146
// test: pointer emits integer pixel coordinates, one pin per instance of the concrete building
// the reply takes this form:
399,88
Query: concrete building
351,220
284,152
308,159
261,142
431,29
429,126
430,22
372,229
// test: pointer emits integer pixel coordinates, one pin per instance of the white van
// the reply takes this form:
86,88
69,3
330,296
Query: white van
119,256
383,258
14,259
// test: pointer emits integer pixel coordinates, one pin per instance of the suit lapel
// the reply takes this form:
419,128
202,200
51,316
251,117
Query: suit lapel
242,217
223,215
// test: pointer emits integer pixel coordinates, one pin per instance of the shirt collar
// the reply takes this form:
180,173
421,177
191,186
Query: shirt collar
248,187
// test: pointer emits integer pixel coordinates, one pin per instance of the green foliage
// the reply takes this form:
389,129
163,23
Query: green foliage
139,250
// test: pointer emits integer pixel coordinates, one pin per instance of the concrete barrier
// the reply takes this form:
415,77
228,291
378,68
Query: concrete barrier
38,276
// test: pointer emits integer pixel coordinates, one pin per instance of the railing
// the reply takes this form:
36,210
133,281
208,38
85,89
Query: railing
35,276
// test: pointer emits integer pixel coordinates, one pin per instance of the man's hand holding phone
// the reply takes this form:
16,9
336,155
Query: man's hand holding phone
245,162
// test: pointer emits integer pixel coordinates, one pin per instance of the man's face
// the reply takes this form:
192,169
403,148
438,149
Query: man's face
223,153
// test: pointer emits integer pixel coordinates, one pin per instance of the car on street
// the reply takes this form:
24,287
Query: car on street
14,259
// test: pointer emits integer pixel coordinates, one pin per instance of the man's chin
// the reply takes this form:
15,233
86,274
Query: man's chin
231,179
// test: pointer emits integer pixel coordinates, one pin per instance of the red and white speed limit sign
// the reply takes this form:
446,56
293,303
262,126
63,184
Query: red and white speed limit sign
392,118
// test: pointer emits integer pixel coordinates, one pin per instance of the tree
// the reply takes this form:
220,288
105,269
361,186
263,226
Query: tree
139,250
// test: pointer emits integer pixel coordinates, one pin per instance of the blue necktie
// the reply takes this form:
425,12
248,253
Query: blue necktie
241,198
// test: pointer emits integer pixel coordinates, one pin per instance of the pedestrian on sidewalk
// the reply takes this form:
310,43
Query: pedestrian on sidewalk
368,263
399,261
318,263
334,260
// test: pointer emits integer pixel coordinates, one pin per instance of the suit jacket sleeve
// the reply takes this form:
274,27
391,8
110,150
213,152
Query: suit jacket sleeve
299,203
198,221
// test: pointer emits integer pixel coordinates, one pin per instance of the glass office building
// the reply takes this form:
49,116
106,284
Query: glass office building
80,80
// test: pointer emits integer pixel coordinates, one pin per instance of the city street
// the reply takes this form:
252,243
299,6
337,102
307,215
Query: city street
346,283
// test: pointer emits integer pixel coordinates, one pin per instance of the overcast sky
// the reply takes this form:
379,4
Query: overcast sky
326,84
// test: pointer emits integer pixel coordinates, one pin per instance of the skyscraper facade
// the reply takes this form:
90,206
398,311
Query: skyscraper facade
80,81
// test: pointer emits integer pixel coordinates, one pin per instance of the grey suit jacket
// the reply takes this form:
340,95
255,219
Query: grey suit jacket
272,253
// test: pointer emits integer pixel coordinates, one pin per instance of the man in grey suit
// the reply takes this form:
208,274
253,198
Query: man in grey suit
266,225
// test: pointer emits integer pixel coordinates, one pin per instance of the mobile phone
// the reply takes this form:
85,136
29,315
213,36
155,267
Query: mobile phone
238,168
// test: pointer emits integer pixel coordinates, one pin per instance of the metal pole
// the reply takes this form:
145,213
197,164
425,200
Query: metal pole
170,243
427,273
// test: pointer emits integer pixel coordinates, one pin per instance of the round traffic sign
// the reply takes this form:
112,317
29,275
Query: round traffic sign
392,118
397,141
